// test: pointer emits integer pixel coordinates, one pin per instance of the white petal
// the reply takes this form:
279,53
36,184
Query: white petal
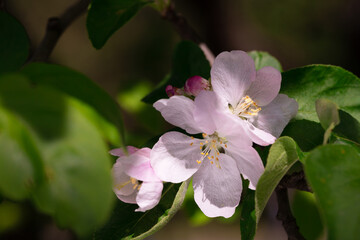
232,74
121,181
128,199
149,195
266,86
120,152
178,110
173,157
217,191
138,166
258,136
275,116
248,161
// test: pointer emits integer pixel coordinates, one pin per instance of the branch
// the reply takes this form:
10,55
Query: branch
185,31
296,180
284,214
55,27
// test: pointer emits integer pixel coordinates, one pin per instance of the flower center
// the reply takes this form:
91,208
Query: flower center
133,181
246,108
211,146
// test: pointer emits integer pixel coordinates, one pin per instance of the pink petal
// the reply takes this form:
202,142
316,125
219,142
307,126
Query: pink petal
266,86
178,110
217,191
275,116
149,195
128,199
173,157
232,74
248,162
196,84
120,152
257,135
122,185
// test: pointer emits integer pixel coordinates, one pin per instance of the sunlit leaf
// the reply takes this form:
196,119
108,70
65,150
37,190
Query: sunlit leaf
333,173
263,59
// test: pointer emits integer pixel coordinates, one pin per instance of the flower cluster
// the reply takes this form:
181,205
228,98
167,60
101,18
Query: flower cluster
239,106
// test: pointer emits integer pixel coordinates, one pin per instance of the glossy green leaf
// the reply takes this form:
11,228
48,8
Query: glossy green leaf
307,134
18,154
82,88
307,84
188,61
307,215
14,43
348,128
106,16
77,191
283,154
127,224
333,173
263,59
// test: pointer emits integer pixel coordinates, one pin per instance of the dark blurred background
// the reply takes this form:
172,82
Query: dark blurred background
138,56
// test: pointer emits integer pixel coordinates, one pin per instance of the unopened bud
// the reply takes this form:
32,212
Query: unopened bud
171,91
194,85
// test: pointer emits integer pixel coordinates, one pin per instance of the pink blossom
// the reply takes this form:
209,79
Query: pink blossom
252,96
128,171
172,91
215,161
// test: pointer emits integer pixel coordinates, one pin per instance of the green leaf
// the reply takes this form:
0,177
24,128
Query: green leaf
14,43
263,59
106,16
283,154
18,154
333,173
307,134
188,61
127,224
328,114
307,215
348,128
77,191
82,88
307,84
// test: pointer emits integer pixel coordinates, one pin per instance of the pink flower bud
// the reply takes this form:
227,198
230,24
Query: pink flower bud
171,91
195,84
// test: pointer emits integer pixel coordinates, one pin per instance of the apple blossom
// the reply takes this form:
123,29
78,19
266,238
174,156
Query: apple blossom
252,96
215,162
195,84
134,179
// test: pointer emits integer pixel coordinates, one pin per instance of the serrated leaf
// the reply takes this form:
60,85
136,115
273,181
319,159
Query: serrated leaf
188,61
106,16
283,154
127,224
333,173
82,88
14,43
263,59
309,83
77,191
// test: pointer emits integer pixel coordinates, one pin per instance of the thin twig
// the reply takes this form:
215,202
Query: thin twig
284,214
55,27
296,180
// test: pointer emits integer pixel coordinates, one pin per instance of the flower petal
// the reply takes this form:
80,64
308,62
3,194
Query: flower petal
257,135
120,152
217,191
248,162
178,110
274,117
149,195
232,74
121,181
138,166
128,199
173,157
266,86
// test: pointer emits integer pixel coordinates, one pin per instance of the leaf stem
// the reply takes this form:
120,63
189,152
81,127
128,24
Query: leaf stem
296,180
55,27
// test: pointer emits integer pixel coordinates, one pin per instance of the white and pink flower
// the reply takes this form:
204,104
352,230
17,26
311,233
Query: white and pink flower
215,161
134,178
